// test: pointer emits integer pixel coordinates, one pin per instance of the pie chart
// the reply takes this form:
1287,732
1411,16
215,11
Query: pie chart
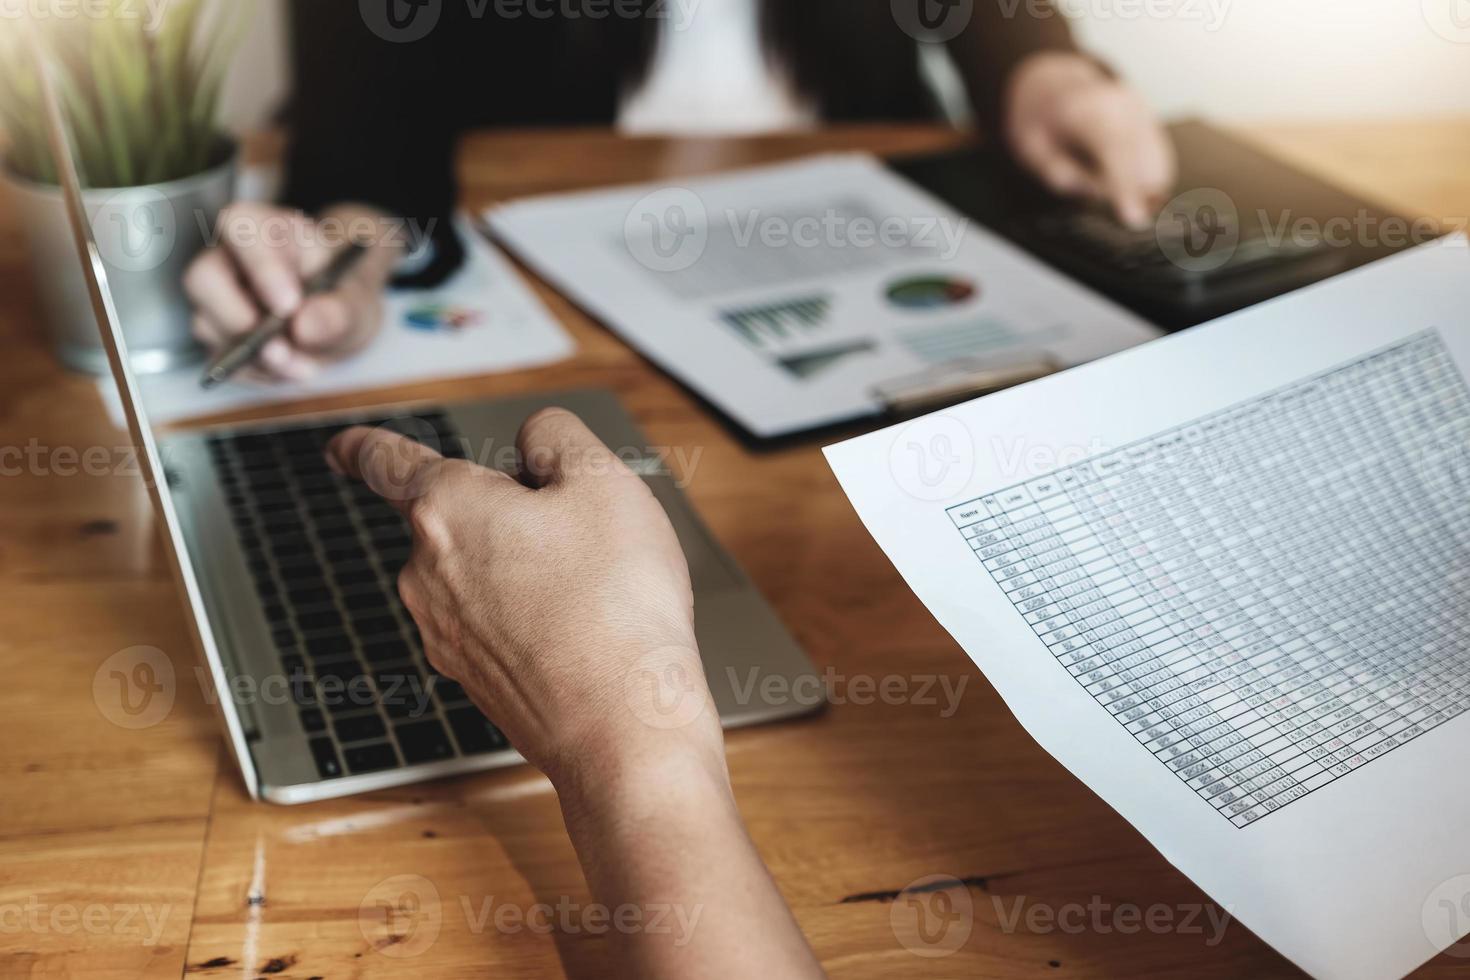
930,292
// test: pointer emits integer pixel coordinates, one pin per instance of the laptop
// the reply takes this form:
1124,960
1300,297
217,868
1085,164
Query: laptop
1230,236
289,573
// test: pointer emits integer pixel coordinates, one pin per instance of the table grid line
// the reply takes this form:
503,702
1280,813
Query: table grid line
1226,589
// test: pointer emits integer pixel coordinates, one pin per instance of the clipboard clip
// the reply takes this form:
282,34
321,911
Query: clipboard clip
962,379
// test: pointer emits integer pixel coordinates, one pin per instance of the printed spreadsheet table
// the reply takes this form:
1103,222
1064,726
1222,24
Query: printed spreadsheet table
1266,598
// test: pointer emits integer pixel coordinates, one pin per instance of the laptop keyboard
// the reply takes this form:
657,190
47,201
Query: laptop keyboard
324,554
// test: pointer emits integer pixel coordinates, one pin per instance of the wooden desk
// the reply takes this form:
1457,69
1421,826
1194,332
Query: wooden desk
102,827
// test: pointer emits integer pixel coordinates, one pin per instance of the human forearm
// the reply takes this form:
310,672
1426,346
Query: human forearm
663,835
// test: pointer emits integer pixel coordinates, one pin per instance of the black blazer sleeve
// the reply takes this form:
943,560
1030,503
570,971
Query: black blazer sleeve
370,121
999,36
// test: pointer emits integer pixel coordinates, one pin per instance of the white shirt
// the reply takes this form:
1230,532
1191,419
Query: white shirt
710,75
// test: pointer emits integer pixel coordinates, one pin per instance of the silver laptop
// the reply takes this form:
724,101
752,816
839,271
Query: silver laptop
289,574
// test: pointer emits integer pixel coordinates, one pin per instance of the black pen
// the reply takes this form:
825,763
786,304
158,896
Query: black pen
245,349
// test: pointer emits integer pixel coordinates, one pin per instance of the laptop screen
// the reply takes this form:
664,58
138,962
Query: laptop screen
81,218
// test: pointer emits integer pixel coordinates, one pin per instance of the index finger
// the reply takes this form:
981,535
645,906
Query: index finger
1137,168
393,466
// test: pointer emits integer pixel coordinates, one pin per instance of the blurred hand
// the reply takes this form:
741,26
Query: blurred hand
1087,135
264,256
546,598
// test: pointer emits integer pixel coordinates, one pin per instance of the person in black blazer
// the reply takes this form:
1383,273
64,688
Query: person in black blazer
383,88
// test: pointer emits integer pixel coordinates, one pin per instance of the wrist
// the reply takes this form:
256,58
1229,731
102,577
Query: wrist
632,782
379,231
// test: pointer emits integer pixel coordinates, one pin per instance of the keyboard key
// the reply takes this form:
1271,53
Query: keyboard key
325,754
448,691
358,728
329,647
371,758
326,619
284,636
473,731
423,741
302,598
402,693
387,650
357,576
304,576
292,549
312,720
345,552
374,625
283,525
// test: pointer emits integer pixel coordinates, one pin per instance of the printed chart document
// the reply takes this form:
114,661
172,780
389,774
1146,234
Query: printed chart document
1225,579
786,295
483,320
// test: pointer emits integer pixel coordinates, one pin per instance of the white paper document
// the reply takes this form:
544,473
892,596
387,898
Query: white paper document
484,319
787,294
1225,579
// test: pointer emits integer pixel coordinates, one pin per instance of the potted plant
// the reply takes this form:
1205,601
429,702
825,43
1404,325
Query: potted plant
140,99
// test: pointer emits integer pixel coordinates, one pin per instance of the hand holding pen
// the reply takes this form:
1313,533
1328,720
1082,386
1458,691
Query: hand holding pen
260,270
